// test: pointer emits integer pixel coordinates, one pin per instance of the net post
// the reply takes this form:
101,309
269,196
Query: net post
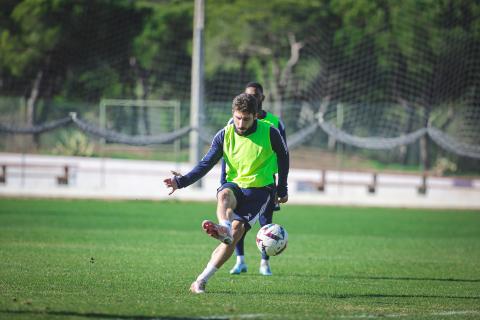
63,179
3,174
197,89
372,187
422,189
321,184
103,121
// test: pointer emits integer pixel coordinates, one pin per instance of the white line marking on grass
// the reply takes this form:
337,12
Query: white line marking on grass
454,313
398,315
237,316
374,316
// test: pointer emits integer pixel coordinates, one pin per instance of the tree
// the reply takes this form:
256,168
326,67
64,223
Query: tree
161,53
65,47
28,49
264,38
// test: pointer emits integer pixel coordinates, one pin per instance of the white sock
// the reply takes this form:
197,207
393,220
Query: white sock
207,273
240,259
264,262
226,223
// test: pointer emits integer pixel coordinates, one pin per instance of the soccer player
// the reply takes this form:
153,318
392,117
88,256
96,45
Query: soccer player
247,146
240,266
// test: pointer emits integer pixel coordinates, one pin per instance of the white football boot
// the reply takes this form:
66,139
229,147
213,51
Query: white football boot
239,268
198,287
265,268
217,231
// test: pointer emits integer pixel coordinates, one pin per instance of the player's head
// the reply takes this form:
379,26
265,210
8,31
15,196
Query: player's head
255,89
244,110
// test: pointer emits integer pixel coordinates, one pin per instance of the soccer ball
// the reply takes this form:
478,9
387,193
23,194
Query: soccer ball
272,239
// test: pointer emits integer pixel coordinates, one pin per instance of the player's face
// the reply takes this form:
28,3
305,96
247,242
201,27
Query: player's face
256,93
243,121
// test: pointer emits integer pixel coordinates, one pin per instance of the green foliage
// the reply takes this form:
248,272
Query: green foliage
257,32
103,80
64,39
138,41
136,259
443,166
165,31
89,50
73,143
165,37
36,36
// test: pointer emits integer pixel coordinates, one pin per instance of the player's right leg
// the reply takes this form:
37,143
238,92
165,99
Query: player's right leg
226,203
251,204
222,233
219,256
198,286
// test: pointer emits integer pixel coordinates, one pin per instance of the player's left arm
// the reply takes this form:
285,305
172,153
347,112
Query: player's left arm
223,172
279,146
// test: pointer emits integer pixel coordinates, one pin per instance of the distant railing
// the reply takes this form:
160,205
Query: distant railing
61,173
374,180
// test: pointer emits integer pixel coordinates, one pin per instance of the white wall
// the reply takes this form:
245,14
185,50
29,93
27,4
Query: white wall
35,176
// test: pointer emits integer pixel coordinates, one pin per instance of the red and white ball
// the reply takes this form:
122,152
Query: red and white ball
272,239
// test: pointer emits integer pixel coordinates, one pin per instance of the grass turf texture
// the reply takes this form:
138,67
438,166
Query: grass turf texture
136,259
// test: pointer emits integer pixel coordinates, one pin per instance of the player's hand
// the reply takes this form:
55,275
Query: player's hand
275,199
282,199
171,183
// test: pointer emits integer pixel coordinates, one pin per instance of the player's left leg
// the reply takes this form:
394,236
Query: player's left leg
240,265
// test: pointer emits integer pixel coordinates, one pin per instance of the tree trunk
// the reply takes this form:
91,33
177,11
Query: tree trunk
146,120
143,76
275,89
243,68
283,77
134,121
31,106
145,94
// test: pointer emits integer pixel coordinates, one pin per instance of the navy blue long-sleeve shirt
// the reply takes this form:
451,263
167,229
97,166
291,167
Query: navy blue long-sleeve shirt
215,153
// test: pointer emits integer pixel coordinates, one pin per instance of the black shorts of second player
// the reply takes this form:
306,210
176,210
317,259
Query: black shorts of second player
251,202
266,217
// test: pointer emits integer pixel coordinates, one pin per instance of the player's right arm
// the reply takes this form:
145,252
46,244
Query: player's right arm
223,174
214,154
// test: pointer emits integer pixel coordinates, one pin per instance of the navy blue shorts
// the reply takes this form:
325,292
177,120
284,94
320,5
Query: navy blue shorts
251,202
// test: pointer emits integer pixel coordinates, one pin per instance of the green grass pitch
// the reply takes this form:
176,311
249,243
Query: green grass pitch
84,259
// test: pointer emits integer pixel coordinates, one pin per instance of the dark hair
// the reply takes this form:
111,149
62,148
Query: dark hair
245,102
256,85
